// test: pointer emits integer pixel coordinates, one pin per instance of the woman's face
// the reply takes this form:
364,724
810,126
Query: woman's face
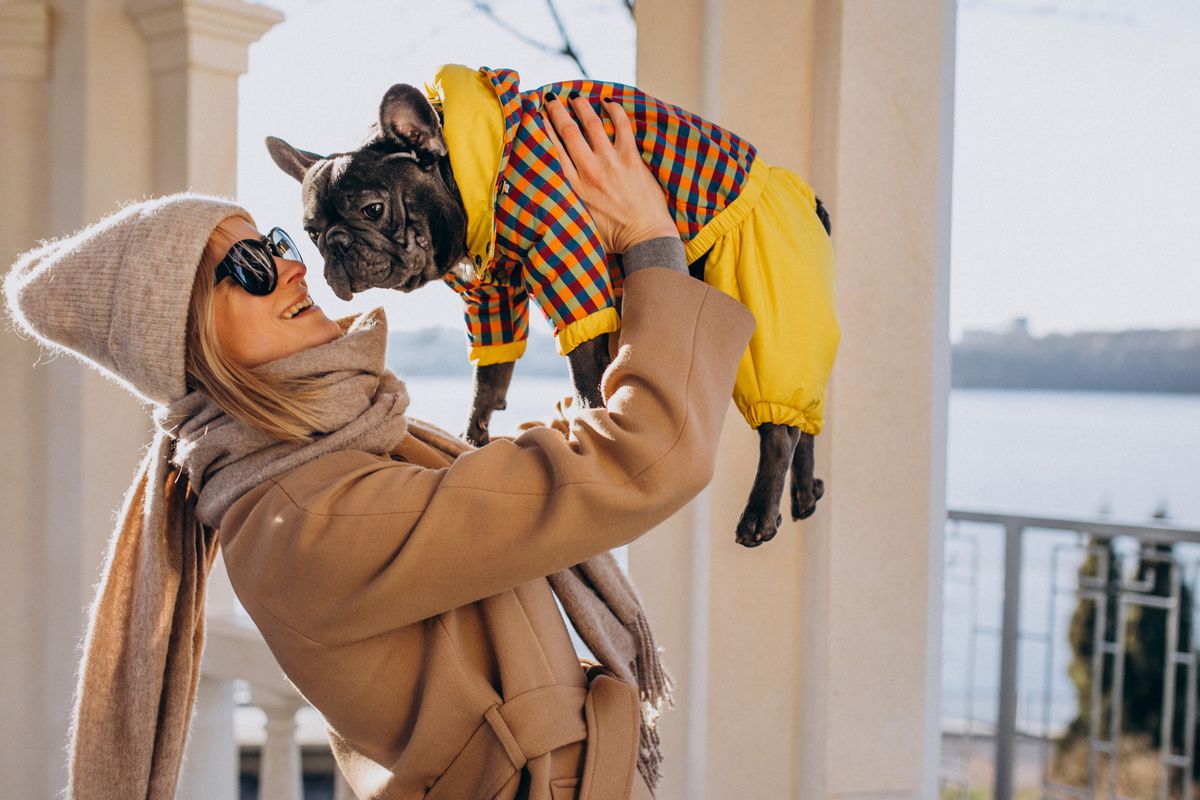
255,329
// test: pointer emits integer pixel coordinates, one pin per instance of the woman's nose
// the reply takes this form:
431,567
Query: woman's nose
290,271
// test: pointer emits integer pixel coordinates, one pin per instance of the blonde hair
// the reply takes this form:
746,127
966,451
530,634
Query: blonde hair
281,408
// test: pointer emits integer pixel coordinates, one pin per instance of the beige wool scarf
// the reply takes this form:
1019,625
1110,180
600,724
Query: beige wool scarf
145,631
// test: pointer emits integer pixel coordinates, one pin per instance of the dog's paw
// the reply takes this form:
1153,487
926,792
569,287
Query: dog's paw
757,526
475,436
804,498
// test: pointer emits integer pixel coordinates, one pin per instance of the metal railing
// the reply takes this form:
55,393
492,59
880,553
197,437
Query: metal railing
1095,541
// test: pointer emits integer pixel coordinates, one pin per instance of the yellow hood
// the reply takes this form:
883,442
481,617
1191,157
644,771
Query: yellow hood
473,125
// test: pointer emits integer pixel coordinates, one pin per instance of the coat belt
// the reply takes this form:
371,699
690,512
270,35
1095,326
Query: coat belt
513,732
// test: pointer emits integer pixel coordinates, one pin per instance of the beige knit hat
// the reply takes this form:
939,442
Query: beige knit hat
116,293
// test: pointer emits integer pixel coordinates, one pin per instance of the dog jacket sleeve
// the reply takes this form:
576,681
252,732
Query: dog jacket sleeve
528,237
497,317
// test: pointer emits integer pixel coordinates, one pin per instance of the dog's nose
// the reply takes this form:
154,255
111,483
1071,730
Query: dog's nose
340,241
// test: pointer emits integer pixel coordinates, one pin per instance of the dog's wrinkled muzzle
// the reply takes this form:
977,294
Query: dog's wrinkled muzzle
338,279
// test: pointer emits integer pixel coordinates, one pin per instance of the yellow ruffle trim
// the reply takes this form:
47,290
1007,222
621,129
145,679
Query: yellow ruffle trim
759,412
484,354
606,320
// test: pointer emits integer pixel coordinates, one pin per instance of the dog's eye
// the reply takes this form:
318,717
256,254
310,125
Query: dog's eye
312,234
373,210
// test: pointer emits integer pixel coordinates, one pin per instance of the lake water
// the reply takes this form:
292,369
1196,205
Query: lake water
1047,453
1074,453
447,401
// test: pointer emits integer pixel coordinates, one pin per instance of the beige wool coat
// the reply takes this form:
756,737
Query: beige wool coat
406,597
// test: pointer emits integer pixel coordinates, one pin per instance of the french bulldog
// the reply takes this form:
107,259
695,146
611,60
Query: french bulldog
390,214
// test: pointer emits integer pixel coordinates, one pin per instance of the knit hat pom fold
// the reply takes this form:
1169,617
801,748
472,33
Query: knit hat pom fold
116,293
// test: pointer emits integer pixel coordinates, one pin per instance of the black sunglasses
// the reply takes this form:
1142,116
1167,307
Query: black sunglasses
251,262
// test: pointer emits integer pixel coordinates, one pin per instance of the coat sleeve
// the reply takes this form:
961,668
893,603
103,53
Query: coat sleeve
352,544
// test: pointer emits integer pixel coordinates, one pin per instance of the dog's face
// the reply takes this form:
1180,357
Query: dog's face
389,213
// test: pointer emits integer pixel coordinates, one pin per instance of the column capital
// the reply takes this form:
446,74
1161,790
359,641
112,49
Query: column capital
25,39
210,35
276,705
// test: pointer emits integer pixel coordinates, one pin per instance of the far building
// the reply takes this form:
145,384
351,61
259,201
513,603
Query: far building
1018,327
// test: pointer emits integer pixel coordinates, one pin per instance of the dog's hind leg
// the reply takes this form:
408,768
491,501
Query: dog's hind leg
587,363
806,490
760,519
491,389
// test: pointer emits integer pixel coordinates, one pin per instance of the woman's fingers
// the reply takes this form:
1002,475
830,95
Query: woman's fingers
593,128
560,152
623,197
621,126
568,140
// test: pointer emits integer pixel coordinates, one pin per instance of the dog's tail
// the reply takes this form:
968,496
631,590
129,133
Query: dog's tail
823,215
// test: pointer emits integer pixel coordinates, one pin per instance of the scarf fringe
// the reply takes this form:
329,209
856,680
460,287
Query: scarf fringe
656,689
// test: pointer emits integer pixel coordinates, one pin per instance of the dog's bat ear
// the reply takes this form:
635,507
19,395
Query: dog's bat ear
292,161
408,118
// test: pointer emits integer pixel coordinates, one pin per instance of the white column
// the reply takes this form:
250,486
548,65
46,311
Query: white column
197,51
279,772
24,67
883,143
809,667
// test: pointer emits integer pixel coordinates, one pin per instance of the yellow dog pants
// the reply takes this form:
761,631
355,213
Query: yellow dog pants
770,252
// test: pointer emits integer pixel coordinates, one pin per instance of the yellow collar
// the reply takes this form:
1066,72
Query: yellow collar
473,125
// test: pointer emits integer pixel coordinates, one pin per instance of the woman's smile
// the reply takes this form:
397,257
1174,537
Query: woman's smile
299,308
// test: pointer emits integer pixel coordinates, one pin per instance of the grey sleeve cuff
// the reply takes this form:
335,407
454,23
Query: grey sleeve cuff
665,251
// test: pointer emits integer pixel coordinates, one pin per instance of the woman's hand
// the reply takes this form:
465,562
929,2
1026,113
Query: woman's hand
625,200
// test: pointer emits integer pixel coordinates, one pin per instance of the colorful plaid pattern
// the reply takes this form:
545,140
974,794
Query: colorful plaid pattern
546,244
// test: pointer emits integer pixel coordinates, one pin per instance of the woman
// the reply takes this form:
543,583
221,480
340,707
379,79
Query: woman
401,578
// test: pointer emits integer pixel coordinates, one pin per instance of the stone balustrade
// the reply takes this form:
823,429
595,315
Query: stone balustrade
261,708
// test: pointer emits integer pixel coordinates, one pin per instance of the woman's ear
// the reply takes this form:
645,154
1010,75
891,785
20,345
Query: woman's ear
408,119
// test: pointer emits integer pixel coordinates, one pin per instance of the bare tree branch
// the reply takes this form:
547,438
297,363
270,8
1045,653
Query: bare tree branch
488,11
567,49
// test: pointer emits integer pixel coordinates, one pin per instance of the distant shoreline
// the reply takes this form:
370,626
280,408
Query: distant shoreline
1060,390
1150,361
1153,361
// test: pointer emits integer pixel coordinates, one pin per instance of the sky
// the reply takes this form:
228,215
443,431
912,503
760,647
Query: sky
1076,148
1076,165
